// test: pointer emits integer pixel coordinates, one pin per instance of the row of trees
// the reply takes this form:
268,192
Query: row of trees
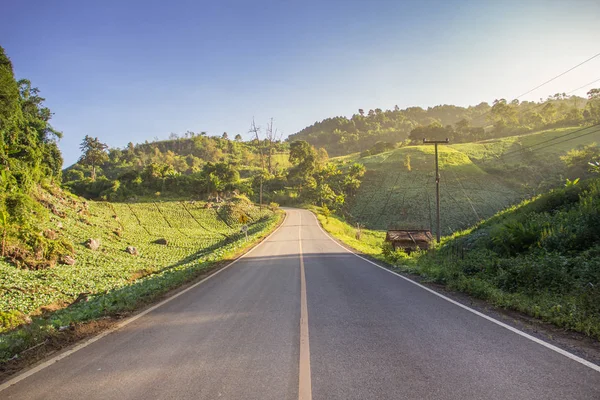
175,165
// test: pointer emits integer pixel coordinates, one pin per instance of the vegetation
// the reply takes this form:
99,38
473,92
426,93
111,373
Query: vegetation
66,260
541,257
110,279
477,179
170,209
194,164
342,135
29,157
312,180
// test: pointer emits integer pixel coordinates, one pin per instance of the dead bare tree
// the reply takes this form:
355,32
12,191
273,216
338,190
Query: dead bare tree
272,137
256,130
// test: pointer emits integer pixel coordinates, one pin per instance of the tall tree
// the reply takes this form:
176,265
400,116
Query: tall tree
94,153
304,157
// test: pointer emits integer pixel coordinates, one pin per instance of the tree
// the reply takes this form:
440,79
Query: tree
548,112
433,131
304,158
94,153
503,115
225,136
594,94
238,138
593,105
322,156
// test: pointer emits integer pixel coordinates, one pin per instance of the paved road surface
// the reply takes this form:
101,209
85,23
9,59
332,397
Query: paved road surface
371,335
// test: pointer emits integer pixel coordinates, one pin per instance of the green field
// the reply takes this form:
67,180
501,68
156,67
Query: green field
195,236
476,179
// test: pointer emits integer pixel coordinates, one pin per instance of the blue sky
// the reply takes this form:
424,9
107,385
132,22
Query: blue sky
134,70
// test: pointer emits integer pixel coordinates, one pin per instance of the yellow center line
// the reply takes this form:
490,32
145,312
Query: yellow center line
304,387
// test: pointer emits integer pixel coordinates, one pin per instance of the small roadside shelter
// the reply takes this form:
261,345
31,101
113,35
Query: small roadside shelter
409,239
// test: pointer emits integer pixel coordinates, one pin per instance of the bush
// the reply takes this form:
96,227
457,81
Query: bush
393,256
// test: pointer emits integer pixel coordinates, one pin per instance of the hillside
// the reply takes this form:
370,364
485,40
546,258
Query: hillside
477,179
195,166
111,279
364,130
540,257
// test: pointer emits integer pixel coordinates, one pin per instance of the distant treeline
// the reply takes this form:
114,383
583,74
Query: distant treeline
193,165
342,135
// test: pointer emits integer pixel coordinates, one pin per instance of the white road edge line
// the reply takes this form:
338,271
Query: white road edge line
46,364
304,380
495,321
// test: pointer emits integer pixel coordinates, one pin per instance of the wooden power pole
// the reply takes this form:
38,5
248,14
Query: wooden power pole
437,184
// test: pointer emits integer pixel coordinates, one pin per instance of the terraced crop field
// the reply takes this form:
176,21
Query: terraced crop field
194,235
473,184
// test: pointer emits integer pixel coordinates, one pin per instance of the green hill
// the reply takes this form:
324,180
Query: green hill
364,130
477,179
194,166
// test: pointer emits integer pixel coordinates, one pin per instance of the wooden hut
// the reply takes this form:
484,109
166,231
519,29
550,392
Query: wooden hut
409,239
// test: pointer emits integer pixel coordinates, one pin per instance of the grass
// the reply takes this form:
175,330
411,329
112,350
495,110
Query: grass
36,303
398,190
369,243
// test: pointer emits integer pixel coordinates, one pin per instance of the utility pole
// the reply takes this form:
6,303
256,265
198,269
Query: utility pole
437,184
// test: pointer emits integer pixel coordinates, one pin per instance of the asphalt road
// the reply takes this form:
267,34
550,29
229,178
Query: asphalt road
368,335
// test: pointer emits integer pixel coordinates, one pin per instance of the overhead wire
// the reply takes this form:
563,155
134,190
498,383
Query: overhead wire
554,144
548,81
551,140
558,76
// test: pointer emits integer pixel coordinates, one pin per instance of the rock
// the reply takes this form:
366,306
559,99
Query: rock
50,234
68,260
132,250
92,244
162,241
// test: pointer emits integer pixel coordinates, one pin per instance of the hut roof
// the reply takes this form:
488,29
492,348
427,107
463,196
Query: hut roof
411,235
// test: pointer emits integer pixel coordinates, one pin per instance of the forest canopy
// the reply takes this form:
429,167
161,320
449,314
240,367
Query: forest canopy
360,132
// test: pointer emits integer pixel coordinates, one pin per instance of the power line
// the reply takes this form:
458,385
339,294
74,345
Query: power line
548,81
587,84
549,101
552,144
558,76
551,139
